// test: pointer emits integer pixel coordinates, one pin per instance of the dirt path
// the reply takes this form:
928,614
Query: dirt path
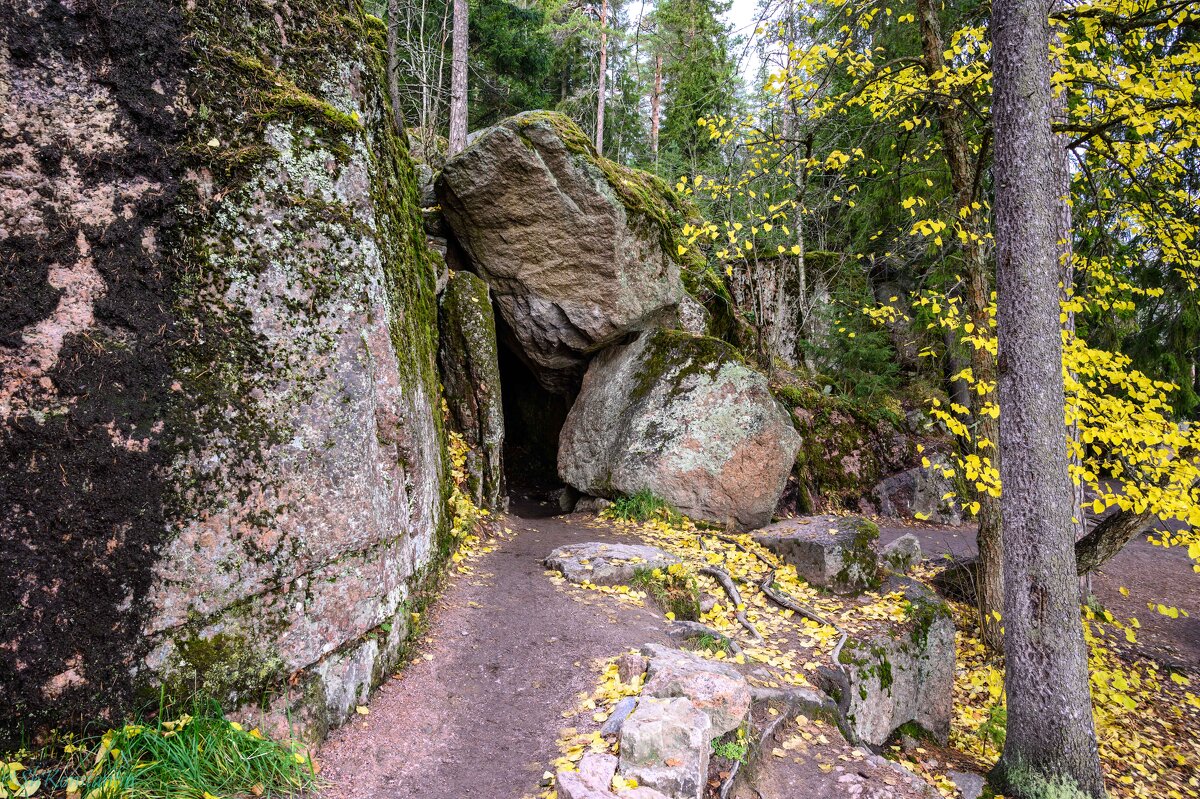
1150,573
477,712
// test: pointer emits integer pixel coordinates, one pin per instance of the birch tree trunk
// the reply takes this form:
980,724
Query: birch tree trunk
458,81
600,87
1051,736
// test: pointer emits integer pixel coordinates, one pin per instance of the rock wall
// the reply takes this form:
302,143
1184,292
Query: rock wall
220,444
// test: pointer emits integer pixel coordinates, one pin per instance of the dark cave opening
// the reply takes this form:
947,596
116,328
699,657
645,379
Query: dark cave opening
533,419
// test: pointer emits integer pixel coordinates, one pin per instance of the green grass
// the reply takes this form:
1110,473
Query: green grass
643,507
712,643
674,589
195,755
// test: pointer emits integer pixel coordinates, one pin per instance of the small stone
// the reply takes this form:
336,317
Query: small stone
707,603
903,553
572,785
598,769
620,712
968,784
630,666
665,745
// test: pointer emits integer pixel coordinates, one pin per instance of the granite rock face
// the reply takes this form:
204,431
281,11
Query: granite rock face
835,552
683,417
470,370
219,428
578,251
899,675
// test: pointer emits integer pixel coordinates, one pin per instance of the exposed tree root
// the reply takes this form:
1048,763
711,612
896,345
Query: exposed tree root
722,577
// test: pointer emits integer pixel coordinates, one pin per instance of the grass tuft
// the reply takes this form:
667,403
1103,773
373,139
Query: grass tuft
199,755
673,588
643,506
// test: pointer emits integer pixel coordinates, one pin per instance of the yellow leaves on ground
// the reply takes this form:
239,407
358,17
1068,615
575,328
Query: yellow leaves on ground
1145,718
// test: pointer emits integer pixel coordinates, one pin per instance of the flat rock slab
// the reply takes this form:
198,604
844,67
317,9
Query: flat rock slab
603,563
835,552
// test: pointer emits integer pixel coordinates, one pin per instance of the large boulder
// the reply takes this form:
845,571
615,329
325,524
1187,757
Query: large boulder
685,418
470,368
835,552
898,674
221,457
579,251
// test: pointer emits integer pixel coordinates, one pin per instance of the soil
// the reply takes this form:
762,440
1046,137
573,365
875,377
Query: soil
477,711
1151,573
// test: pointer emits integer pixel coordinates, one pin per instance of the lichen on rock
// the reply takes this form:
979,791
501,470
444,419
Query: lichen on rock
468,358
683,417
229,351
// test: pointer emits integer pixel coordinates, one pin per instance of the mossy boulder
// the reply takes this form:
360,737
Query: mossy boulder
220,434
578,251
835,552
898,673
469,361
683,417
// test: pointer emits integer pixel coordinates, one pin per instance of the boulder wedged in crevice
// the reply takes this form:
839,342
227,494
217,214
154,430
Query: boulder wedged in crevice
578,251
683,417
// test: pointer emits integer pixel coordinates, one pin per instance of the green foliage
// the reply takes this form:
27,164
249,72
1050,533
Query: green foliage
992,730
712,643
857,358
197,754
698,75
735,750
674,588
511,60
643,506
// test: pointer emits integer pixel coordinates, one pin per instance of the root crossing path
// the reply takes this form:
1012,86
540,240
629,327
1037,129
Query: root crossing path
477,711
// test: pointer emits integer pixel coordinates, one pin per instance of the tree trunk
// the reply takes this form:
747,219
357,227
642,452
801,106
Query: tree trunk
458,81
656,106
600,88
393,66
1051,735
963,178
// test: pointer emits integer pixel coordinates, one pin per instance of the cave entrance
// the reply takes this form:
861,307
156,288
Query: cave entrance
533,419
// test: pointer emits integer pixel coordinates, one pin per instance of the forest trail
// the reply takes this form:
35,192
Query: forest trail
477,710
